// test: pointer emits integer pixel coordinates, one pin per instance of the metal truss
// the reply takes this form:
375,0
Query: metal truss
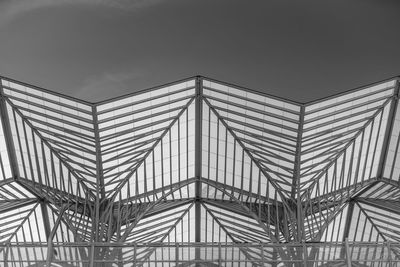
199,161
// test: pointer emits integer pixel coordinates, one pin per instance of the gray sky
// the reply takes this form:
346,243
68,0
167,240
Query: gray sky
301,50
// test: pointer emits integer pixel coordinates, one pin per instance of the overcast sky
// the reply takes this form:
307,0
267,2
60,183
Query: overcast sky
301,50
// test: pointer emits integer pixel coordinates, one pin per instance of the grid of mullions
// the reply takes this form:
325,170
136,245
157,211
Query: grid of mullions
139,134
382,191
258,154
359,159
37,160
331,126
384,219
227,162
65,125
5,168
22,223
392,166
266,128
168,160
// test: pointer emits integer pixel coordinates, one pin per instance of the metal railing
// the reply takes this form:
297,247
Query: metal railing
211,254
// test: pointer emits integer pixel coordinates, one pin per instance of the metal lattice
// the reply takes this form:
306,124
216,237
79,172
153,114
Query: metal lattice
199,161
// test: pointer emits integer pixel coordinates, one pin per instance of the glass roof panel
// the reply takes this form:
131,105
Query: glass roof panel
63,125
335,230
362,228
32,228
5,168
225,161
135,155
157,228
382,190
242,95
152,161
384,221
152,97
63,233
236,136
361,140
363,93
392,166
38,162
14,191
241,228
12,221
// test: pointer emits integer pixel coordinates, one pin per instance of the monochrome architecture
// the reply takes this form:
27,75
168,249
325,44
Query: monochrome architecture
199,173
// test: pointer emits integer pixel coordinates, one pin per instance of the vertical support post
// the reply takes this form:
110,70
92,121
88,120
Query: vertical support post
297,223
389,253
304,254
198,148
46,221
295,194
177,254
6,254
348,254
100,192
262,254
91,258
50,253
7,134
134,253
347,224
389,129
348,219
219,254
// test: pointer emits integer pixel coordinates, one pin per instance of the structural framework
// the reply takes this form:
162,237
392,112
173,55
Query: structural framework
198,171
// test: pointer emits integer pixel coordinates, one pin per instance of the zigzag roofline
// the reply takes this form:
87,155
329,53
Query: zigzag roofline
291,101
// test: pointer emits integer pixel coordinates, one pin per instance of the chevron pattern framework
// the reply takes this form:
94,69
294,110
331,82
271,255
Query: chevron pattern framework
199,161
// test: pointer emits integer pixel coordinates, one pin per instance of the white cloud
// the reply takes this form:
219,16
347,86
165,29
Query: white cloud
12,9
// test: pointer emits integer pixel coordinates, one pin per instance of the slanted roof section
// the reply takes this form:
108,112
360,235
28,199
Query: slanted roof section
199,160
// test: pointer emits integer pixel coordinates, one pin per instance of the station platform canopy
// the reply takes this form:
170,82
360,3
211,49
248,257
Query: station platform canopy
201,164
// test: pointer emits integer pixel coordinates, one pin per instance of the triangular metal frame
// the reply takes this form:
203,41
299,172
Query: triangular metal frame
287,209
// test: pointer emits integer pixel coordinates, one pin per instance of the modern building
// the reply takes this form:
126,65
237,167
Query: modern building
199,173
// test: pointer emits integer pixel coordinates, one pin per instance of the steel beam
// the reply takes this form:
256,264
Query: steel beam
348,220
8,135
157,191
100,193
391,206
198,160
390,182
366,188
46,219
41,191
389,130
50,254
296,180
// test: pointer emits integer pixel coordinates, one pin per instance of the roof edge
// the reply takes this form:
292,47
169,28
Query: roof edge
355,89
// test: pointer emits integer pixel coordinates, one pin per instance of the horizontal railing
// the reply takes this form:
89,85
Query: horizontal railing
209,254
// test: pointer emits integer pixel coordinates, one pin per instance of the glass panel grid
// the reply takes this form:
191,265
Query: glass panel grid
269,170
